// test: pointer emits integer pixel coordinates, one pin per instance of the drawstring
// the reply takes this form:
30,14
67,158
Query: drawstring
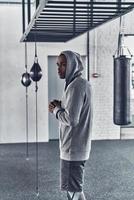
68,196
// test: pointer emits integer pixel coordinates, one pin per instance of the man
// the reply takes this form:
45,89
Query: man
74,113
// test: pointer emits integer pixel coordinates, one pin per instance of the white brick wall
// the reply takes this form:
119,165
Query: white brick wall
12,101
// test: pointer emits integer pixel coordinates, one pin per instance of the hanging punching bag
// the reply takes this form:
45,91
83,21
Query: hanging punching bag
36,72
25,80
122,90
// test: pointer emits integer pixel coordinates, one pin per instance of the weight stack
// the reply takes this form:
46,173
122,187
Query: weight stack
122,90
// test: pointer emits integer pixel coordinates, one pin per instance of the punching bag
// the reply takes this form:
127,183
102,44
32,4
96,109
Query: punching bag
36,72
122,90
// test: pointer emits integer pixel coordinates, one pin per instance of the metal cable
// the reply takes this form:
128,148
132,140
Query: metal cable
119,37
121,31
35,39
27,122
37,180
26,56
74,18
36,89
88,59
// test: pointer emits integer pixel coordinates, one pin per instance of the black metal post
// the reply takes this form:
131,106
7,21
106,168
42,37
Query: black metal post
92,10
88,61
37,149
29,10
23,16
37,3
27,149
74,18
120,26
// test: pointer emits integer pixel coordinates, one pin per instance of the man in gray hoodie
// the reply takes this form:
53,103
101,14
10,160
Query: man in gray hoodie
74,113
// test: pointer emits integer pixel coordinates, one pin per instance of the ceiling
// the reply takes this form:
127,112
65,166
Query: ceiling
62,20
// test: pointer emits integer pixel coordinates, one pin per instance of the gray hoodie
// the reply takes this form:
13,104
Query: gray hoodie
75,114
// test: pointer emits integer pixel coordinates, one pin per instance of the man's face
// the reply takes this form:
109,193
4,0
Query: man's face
61,63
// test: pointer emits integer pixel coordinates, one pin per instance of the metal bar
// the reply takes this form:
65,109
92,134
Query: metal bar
37,147
88,26
88,59
27,126
82,7
61,26
29,10
56,31
23,16
89,2
36,15
118,5
60,17
62,22
74,17
68,14
6,2
64,28
48,33
80,11
15,2
37,3
91,12
49,38
128,35
65,23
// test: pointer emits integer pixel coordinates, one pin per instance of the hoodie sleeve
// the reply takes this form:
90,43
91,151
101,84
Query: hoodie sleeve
71,113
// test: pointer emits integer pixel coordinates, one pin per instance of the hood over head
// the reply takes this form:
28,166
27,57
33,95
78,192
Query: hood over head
74,66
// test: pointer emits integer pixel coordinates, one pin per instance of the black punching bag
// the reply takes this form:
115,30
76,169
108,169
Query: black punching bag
122,90
25,80
36,72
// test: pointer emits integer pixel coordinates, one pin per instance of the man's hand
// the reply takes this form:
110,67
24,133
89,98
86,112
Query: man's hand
51,107
53,104
57,103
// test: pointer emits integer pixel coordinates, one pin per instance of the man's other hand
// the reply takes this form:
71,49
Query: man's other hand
57,103
51,107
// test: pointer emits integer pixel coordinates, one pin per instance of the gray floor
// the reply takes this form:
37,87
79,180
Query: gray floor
109,172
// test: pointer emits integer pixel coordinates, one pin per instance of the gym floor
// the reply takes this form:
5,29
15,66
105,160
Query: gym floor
109,172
